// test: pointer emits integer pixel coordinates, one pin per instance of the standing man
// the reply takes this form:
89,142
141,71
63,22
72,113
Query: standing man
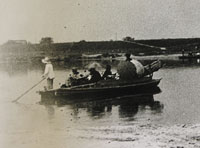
48,72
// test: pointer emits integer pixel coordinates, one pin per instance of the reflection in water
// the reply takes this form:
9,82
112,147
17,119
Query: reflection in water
128,110
128,106
50,110
13,69
96,109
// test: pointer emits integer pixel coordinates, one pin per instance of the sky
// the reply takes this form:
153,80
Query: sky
96,20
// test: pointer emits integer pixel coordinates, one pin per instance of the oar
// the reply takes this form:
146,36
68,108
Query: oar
28,90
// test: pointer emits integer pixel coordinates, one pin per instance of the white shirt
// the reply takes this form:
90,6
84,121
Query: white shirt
48,72
139,67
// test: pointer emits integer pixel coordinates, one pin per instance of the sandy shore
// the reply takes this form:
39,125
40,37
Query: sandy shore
144,136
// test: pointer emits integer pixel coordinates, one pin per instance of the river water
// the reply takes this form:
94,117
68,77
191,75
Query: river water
97,123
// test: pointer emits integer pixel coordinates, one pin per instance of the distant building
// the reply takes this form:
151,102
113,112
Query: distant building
23,42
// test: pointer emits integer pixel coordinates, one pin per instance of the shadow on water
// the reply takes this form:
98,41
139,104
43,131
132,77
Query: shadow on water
128,105
130,108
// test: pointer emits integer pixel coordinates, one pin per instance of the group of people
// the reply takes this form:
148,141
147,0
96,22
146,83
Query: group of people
76,78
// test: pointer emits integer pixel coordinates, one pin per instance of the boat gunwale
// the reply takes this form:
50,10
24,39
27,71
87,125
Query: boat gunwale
107,87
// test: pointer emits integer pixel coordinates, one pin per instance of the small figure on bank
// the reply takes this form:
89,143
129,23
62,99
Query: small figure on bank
183,52
95,75
190,54
48,72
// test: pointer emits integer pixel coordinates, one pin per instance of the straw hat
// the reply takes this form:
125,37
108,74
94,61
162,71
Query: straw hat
94,65
46,60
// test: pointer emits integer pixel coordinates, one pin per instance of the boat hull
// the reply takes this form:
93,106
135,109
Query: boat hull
101,92
189,57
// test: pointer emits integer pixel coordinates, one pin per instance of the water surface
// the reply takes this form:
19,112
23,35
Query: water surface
89,123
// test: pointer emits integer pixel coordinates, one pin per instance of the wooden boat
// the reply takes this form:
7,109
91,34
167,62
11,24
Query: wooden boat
189,57
104,88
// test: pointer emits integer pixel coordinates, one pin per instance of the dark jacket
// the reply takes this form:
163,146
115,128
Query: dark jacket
95,76
106,74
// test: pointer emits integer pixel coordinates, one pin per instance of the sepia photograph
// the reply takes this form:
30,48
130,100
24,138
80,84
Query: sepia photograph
99,74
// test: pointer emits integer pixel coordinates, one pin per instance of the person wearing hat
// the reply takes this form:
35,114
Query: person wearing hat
48,72
75,73
128,57
73,78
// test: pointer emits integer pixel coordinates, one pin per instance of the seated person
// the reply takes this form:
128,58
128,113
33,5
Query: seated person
75,73
190,54
73,78
107,74
95,75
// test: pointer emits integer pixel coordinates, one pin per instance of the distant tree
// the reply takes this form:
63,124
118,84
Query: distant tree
82,41
82,44
46,40
128,38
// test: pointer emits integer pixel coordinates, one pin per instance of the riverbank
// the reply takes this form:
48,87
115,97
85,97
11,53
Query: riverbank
143,136
96,49
91,57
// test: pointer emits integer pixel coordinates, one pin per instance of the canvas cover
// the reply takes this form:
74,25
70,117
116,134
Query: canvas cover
126,70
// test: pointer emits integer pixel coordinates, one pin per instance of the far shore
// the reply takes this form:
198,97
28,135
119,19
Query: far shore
74,58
